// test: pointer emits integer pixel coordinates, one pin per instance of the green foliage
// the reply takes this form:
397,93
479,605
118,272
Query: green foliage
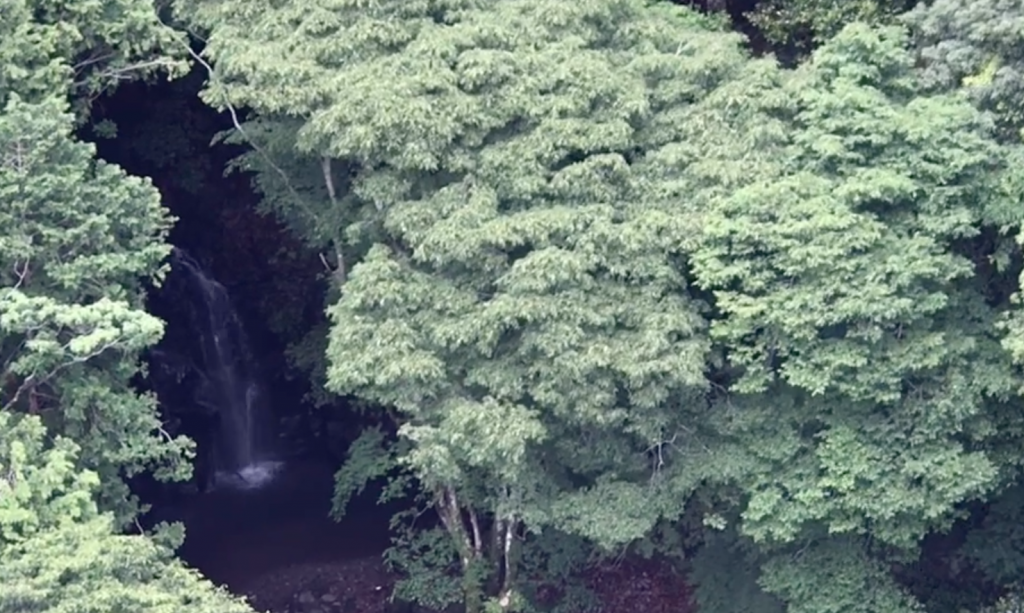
426,562
832,264
857,581
78,235
78,238
308,355
370,457
59,553
835,576
867,355
41,488
608,261
996,547
526,306
975,48
809,23
557,558
726,573
976,45
1011,603
82,48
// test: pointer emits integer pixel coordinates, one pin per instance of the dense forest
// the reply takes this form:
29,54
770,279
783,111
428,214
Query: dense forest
733,287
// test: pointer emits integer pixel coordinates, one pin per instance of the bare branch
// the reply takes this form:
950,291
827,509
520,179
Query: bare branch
299,200
24,387
325,165
96,58
122,73
341,274
22,273
32,381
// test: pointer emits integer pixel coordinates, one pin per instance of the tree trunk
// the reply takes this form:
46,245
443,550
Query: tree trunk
470,550
716,6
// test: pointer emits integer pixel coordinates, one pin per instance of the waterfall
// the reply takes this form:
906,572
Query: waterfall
229,385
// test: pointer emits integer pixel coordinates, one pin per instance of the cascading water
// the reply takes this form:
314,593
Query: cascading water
229,387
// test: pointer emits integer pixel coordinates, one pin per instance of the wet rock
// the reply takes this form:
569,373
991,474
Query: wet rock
402,606
329,598
349,606
306,598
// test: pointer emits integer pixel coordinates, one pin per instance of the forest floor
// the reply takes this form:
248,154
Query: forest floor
363,586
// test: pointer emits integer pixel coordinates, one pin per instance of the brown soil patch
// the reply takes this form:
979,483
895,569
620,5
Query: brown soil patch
355,586
364,586
641,585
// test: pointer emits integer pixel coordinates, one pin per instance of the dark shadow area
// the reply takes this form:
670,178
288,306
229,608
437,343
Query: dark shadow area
222,364
240,537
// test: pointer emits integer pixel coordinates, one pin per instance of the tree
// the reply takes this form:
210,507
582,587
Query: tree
79,239
847,218
83,49
806,24
59,551
520,306
608,265
976,46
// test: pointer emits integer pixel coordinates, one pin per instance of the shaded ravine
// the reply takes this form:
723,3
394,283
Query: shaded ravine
261,506
231,390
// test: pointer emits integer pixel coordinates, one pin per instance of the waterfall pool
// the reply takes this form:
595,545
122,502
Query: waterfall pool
254,476
237,534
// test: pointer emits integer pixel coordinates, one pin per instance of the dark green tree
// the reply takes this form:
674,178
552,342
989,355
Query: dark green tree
805,24
519,307
78,238
976,46
840,207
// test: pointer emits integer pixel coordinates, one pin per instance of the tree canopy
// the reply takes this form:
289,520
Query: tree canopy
613,280
609,263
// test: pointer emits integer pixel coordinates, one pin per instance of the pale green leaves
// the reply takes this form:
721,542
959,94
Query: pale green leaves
77,239
835,576
39,487
82,226
834,262
108,572
58,335
526,314
549,187
477,434
58,554
857,484
613,512
831,259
